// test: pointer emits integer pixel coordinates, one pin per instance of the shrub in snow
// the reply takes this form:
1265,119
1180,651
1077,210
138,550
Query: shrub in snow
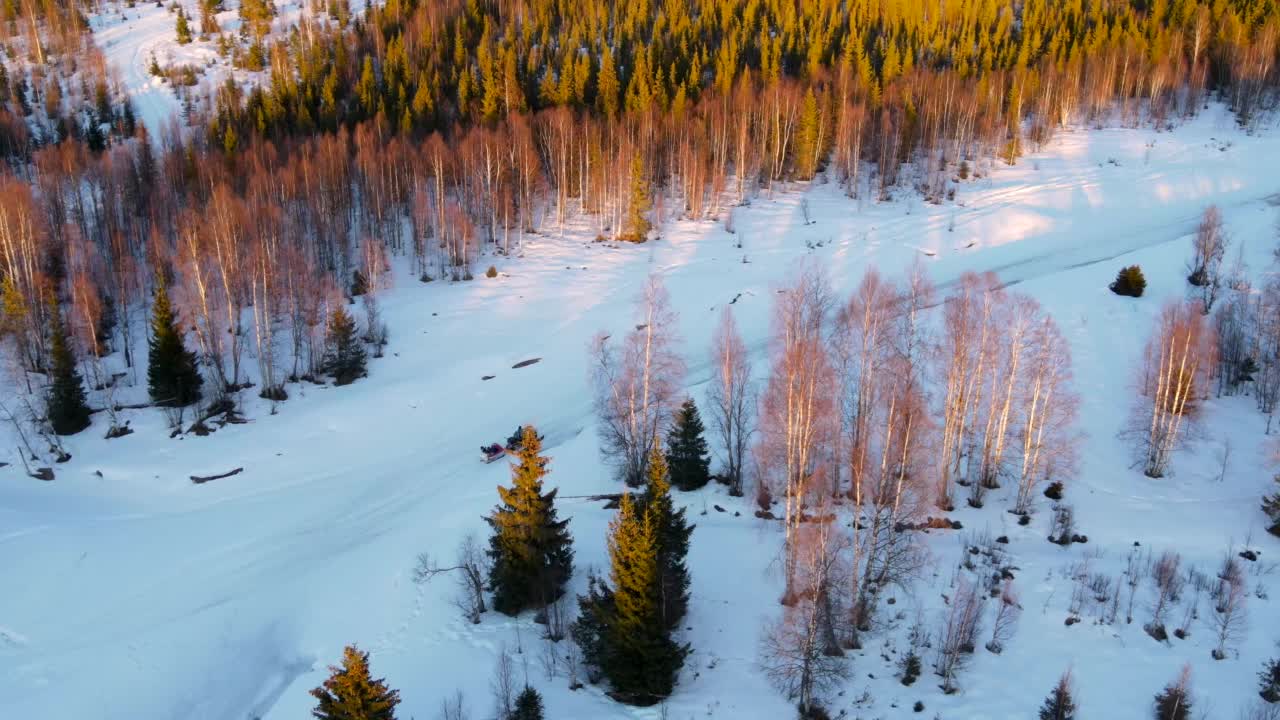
492,272
1129,281
1269,681
1271,506
1054,491
1174,702
1059,705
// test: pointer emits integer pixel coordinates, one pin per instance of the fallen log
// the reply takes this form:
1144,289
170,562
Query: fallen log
198,479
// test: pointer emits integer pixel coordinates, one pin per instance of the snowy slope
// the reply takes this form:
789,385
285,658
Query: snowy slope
131,593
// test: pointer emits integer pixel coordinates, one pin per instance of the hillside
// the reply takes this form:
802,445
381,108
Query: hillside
133,593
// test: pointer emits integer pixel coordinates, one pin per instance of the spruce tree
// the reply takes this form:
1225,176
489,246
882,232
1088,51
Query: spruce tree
1271,506
66,408
639,203
528,705
344,358
1059,705
687,453
184,28
808,138
351,693
673,532
1269,681
531,550
620,628
172,377
1174,702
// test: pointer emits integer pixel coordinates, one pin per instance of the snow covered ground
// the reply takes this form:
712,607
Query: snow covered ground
129,592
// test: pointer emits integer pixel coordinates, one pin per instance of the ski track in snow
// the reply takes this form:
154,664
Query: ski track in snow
139,595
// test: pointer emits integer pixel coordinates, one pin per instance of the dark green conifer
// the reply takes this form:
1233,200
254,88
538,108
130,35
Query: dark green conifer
528,705
687,454
351,693
531,550
1271,506
67,411
621,628
345,357
1174,702
173,379
673,532
1059,705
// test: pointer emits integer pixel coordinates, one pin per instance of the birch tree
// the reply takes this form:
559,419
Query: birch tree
1174,376
732,399
637,386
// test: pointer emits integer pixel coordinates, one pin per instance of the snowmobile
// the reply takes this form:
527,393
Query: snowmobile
489,453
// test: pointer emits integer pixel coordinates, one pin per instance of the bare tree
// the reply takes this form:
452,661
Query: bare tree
962,621
470,568
638,388
1047,412
1005,623
1208,248
1230,615
799,652
797,409
1167,576
732,398
503,684
451,708
1266,338
1174,375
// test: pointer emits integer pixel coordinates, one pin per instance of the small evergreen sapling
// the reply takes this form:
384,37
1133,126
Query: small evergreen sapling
351,693
345,357
1060,705
1271,506
1269,681
1174,702
687,455
1129,281
184,28
673,532
67,411
528,705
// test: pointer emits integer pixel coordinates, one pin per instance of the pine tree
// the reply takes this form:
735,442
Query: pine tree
638,204
687,454
67,411
345,358
528,705
1269,681
673,532
620,628
1271,506
351,693
184,28
1174,702
1059,705
172,377
531,550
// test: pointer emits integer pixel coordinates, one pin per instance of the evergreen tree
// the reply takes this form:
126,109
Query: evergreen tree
808,137
184,28
173,379
1059,705
1269,681
687,453
607,85
638,204
66,408
345,358
351,693
621,629
528,705
673,532
531,551
1174,702
1271,506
